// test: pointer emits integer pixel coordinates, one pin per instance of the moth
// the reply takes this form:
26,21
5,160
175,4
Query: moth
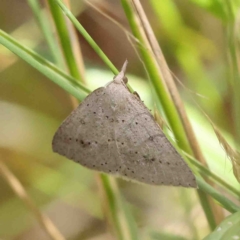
113,132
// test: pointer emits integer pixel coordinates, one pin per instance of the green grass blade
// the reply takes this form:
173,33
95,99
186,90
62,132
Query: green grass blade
156,80
45,67
65,39
225,202
87,37
122,220
208,173
228,229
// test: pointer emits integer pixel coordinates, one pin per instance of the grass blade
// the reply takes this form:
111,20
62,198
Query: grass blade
45,67
65,39
225,202
120,216
88,38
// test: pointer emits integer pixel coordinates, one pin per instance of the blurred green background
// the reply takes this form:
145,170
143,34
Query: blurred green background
192,35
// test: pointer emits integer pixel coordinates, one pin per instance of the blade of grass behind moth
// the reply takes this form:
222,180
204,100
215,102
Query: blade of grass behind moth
155,77
41,18
87,37
46,224
64,35
167,77
116,210
45,67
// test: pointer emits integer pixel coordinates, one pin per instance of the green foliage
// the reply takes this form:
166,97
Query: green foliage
228,229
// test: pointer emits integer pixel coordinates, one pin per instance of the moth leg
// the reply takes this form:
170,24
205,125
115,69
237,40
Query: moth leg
136,94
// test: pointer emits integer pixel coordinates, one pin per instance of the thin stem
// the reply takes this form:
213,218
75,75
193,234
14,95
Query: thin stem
65,39
88,38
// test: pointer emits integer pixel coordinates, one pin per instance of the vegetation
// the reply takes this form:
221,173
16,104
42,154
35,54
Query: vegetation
45,196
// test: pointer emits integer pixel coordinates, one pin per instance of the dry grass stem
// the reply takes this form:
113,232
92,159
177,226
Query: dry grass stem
46,224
